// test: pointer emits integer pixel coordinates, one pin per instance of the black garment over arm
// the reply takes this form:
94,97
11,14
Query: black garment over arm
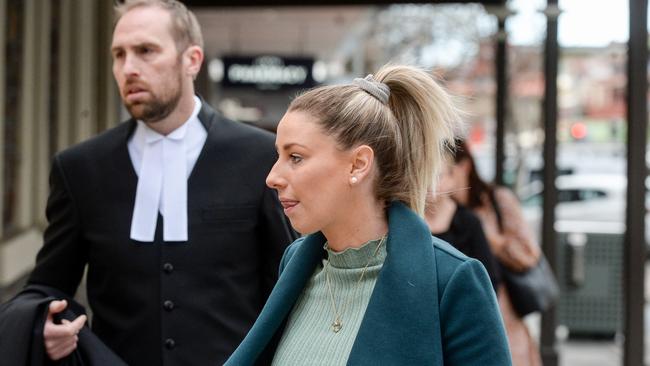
21,332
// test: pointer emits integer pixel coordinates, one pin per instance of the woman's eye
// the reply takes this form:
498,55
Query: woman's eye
295,158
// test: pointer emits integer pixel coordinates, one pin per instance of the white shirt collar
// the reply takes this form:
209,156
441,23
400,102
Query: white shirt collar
145,134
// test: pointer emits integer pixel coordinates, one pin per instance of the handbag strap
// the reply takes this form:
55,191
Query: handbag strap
497,210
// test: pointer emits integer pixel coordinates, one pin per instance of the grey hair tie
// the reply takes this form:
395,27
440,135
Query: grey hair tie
371,86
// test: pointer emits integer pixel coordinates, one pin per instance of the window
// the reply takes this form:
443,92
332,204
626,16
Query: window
576,195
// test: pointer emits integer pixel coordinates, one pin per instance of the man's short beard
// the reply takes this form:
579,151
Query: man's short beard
155,110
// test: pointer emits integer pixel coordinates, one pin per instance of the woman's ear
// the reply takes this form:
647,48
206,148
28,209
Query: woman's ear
362,161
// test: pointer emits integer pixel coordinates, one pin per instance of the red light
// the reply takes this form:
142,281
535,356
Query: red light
578,131
476,135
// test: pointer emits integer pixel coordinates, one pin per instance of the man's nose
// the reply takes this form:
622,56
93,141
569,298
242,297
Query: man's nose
130,66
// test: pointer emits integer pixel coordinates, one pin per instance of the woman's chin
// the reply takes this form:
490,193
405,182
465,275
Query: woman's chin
303,228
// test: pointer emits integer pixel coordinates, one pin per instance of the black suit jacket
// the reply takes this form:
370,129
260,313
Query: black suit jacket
188,303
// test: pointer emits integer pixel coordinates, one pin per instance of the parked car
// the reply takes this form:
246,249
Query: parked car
582,198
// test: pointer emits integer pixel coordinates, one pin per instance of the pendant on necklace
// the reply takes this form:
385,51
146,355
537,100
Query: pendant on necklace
336,326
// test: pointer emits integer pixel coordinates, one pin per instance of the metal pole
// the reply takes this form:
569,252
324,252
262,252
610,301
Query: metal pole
501,97
634,247
548,346
3,66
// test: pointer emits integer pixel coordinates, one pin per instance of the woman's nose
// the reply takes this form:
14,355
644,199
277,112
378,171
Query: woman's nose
273,180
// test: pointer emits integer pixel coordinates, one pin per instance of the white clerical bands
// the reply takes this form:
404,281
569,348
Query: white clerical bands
371,86
162,187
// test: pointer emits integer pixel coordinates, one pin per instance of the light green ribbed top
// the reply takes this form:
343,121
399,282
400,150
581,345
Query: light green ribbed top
308,338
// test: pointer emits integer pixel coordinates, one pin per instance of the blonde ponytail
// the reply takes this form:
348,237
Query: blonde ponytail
428,122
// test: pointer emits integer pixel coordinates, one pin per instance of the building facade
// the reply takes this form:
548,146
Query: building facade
56,89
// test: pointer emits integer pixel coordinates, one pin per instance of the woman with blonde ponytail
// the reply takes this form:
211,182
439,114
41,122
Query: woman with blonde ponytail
368,284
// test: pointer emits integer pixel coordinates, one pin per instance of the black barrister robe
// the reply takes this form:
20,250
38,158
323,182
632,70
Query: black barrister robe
22,320
187,303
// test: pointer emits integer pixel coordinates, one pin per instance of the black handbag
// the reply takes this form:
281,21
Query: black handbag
535,289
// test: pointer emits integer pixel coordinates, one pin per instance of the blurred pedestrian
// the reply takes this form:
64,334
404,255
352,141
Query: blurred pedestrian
370,285
168,210
459,226
510,239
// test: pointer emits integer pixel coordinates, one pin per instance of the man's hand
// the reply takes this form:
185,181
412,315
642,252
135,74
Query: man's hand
61,339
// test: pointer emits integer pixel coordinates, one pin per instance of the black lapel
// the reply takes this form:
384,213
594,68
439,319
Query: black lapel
123,165
208,118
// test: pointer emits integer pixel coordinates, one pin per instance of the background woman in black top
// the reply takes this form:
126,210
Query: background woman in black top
458,226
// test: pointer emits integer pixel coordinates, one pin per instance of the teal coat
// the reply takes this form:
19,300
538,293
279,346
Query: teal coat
431,304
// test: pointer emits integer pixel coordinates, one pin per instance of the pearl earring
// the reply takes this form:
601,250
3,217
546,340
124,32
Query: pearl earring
354,180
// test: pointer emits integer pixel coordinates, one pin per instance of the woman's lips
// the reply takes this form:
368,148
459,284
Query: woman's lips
288,205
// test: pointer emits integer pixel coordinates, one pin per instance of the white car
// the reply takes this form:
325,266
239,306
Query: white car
598,199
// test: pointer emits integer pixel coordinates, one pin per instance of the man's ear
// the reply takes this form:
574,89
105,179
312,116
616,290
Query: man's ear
192,60
362,161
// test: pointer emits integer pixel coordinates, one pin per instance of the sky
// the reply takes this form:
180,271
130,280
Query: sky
582,22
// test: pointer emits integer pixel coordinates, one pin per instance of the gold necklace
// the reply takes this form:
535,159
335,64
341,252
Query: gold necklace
337,324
